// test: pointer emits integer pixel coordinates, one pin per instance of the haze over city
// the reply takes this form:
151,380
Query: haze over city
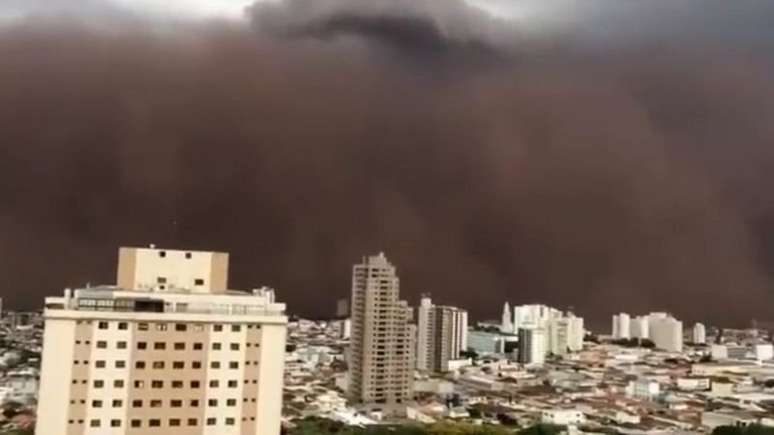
603,155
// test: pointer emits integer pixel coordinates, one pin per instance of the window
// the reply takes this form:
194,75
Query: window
231,402
178,365
141,345
236,328
198,328
188,255
115,423
100,364
139,365
174,422
118,403
179,346
177,384
216,346
142,326
198,281
123,326
158,364
197,346
96,404
192,422
230,421
161,327
215,365
154,422
157,384
195,384
155,403
233,365
217,328
99,384
232,383
212,402
175,403
121,345
139,384
196,365
94,423
102,325
194,403
211,421
159,345
161,280
102,344
162,254
181,327
234,346
118,383
136,403
120,364
214,384
136,423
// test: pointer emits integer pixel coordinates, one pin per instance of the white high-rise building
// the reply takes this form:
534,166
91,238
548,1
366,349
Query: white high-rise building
533,315
639,327
622,326
169,349
532,346
565,334
506,324
699,334
381,363
441,335
666,332
763,351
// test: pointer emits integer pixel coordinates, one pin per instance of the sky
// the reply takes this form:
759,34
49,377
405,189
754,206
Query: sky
599,155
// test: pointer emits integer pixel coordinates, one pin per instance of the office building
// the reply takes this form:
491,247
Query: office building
532,350
169,350
483,342
382,346
699,334
441,335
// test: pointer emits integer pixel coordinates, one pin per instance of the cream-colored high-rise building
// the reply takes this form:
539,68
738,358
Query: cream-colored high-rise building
381,363
168,350
442,333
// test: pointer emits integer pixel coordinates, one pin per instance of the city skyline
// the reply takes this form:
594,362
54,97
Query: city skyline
567,156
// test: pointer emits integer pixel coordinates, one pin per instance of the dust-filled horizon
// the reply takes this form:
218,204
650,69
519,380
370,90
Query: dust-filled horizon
604,155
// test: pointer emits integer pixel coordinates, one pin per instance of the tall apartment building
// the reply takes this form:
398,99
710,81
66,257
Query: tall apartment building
640,327
699,334
532,345
565,334
168,350
622,326
381,363
666,332
442,334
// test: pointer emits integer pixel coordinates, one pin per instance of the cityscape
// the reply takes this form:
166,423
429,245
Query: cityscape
386,217
171,348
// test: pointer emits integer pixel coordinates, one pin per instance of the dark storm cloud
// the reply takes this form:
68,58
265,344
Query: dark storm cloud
563,169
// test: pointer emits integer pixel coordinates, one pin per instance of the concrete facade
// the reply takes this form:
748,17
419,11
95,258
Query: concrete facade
382,345
149,361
